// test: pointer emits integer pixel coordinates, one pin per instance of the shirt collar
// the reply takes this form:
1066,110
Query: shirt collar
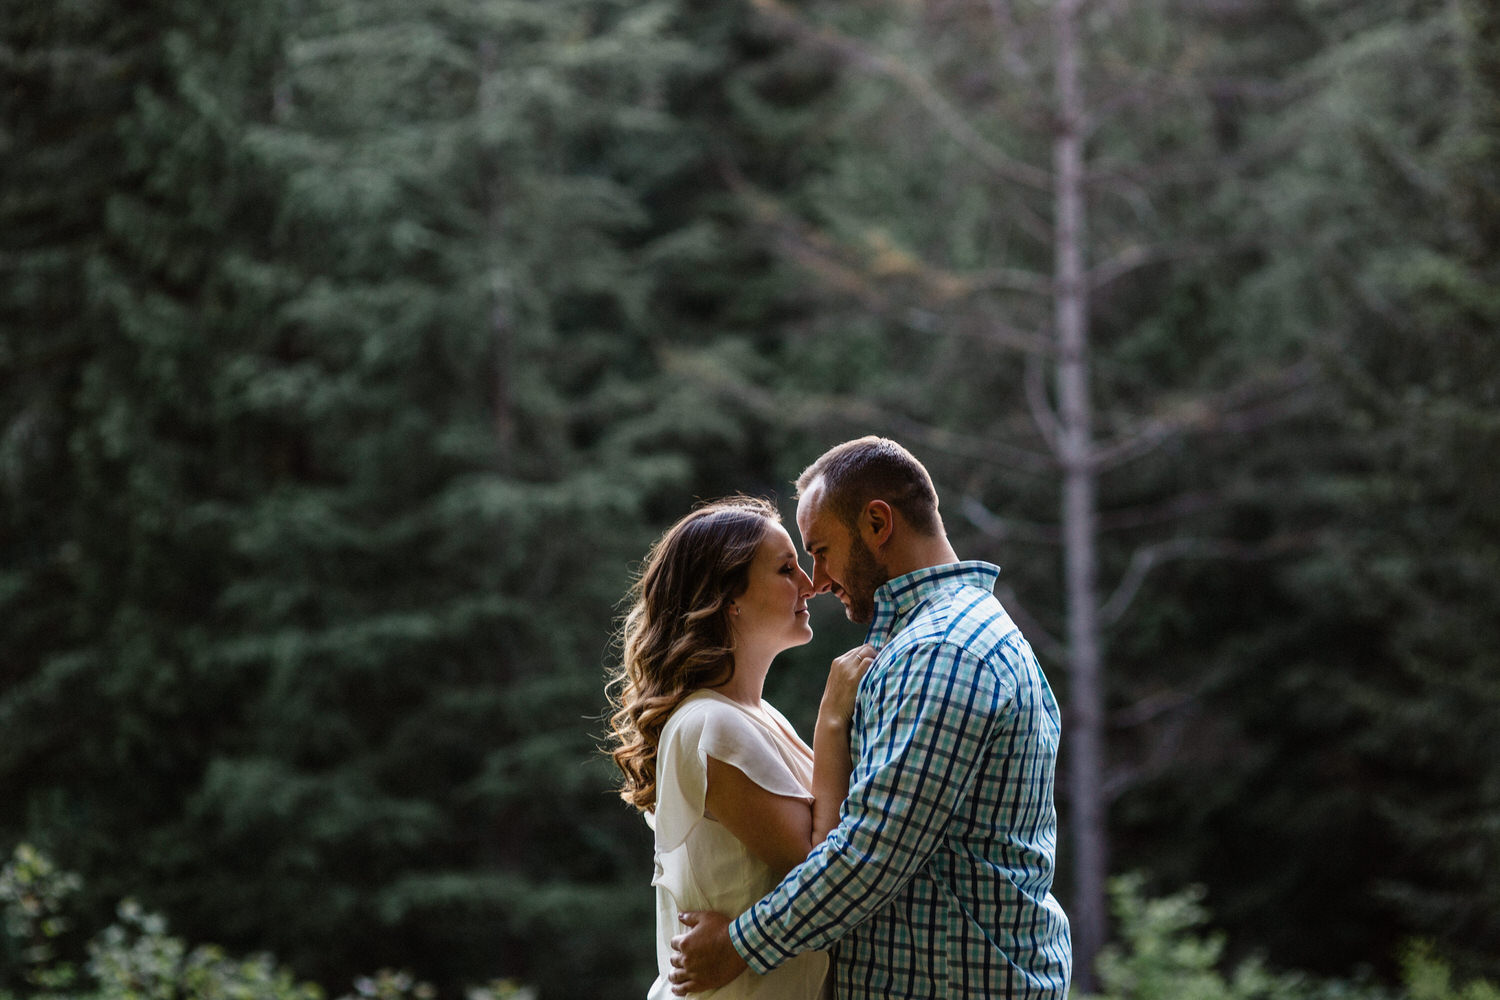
896,599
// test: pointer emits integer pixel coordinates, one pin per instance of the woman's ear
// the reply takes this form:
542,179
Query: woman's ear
877,524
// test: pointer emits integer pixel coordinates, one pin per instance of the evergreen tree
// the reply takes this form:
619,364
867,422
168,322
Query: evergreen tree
1004,201
356,443
1351,769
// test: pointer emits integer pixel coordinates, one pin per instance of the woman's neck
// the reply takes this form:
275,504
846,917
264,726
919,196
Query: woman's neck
749,680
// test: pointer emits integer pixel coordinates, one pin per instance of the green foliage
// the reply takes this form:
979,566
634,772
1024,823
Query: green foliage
1367,685
342,454
353,352
135,958
1428,977
1162,949
33,901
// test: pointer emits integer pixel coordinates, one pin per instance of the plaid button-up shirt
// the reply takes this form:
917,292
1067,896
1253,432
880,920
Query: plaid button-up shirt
937,881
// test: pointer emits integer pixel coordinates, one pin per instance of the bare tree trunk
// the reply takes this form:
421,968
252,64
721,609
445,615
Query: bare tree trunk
1066,423
1080,515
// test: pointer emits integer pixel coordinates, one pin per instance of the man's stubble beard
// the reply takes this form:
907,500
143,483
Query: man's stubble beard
863,577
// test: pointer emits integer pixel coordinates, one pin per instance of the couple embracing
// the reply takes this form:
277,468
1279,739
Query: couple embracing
909,851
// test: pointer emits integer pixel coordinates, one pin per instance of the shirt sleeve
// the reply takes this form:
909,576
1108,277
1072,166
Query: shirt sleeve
923,724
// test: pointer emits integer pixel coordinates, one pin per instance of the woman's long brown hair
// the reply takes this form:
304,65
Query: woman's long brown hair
676,637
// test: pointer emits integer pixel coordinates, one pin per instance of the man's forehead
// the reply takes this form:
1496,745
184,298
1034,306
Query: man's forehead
810,513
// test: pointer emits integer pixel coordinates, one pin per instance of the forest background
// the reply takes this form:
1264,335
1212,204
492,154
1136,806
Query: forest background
352,352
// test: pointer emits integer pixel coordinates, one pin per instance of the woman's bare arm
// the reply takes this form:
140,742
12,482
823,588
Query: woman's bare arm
778,829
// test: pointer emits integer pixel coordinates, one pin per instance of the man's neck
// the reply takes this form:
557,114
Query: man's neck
920,553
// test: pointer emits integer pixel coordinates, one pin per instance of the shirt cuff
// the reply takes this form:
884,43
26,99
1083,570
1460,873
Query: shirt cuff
749,939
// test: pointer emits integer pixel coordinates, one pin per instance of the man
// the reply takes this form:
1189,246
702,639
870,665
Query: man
937,880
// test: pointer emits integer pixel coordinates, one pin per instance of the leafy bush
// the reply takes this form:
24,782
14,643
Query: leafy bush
135,958
1162,951
33,894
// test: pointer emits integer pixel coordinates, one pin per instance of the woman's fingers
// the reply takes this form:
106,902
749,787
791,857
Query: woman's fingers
844,675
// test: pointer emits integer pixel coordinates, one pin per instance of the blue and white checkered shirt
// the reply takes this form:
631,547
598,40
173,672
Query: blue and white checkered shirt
937,881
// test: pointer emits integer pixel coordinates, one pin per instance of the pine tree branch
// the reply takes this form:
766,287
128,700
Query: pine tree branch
1011,279
1004,529
1008,30
982,449
853,51
1178,507
1133,258
1250,406
1122,778
1047,645
1043,413
866,273
1149,708
988,328
1148,557
805,410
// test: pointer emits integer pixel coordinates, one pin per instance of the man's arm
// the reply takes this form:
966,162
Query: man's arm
703,957
929,715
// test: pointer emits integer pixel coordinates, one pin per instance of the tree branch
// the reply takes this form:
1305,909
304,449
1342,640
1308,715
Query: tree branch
1010,279
1042,411
1149,557
943,112
865,273
1044,642
1218,413
1143,560
1176,508
1009,31
809,410
987,328
1004,529
1150,707
1135,257
1121,779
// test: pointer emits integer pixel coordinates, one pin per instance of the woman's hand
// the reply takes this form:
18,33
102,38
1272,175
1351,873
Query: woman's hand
844,675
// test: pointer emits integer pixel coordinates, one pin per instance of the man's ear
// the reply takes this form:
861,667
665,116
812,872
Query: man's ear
876,524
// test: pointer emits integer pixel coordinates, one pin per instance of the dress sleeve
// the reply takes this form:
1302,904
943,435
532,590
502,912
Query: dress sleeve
699,730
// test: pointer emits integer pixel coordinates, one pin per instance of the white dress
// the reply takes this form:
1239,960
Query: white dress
702,866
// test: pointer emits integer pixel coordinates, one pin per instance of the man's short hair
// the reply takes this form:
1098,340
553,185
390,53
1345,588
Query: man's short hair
874,468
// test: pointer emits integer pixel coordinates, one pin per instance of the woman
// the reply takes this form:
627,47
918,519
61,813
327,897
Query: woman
735,797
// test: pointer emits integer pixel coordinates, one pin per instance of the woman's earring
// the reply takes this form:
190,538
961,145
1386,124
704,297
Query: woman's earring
734,608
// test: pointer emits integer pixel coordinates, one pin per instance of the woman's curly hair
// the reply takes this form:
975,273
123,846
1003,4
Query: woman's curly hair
676,637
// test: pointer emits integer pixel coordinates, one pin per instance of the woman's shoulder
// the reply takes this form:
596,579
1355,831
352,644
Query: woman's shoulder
702,708
699,704
707,718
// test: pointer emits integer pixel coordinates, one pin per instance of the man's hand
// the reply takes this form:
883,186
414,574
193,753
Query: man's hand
702,956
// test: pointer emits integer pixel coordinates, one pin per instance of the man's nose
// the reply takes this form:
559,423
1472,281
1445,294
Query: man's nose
821,583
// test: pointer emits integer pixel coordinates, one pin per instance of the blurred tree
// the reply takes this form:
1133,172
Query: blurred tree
1007,193
341,475
1352,771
